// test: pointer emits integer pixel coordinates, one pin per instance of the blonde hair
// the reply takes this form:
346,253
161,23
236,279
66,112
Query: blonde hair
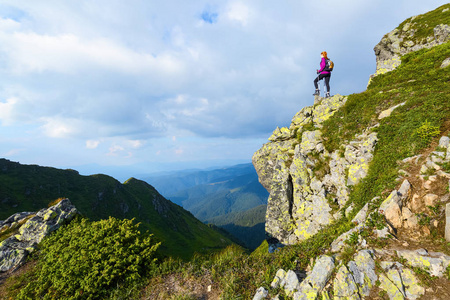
324,53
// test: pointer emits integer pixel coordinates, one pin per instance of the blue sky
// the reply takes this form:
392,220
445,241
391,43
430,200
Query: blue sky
152,85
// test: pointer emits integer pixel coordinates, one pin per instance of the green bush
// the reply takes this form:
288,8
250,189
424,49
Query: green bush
84,260
427,132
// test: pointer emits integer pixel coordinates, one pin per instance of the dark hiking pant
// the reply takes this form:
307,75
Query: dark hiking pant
327,81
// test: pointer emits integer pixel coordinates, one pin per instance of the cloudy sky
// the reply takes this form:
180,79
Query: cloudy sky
148,85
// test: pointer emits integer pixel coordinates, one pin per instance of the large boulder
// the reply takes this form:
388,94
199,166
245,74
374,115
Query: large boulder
15,249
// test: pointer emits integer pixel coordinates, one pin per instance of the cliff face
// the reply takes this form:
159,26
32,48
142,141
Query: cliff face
307,184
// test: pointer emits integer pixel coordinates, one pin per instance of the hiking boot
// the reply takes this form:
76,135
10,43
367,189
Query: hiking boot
316,93
327,95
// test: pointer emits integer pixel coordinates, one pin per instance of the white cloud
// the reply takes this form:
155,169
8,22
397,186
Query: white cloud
92,144
70,54
9,25
13,152
115,150
135,143
7,111
239,12
59,128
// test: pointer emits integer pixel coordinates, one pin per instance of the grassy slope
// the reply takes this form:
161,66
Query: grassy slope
30,188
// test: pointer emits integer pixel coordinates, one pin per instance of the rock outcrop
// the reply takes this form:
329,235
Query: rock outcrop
306,183
403,40
31,229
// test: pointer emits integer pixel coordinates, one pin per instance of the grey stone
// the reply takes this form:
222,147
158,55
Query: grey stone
389,52
409,219
344,286
430,199
361,216
404,189
316,280
445,63
399,282
386,113
14,249
292,283
412,159
434,263
441,33
363,270
261,293
310,139
382,233
339,243
279,279
280,134
391,209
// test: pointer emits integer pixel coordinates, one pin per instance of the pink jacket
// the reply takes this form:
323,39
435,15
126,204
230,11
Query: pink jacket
323,64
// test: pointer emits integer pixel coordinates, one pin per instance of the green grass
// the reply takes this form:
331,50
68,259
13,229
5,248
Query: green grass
423,25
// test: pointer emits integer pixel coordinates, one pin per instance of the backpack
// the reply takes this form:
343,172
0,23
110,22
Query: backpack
330,65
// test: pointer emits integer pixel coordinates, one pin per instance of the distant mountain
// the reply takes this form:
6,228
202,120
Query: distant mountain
248,226
32,187
170,183
224,197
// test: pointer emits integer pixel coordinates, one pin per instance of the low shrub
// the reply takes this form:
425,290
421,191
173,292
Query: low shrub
85,260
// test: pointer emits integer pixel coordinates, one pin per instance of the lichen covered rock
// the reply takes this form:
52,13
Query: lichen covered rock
399,282
316,280
299,201
15,249
400,41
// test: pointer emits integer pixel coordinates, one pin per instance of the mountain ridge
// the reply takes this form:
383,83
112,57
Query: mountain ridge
31,187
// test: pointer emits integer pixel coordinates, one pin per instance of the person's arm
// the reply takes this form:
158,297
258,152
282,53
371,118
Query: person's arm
322,65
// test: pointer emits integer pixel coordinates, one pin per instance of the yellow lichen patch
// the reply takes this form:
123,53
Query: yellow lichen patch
390,288
49,215
302,230
327,108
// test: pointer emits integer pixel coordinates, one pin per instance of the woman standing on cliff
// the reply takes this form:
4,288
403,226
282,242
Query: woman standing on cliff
323,74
